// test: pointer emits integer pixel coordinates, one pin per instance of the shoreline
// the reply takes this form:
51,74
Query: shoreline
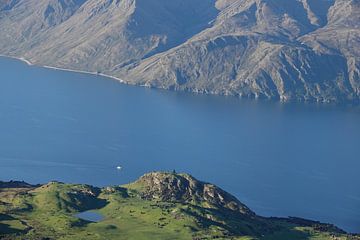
354,102
29,63
17,58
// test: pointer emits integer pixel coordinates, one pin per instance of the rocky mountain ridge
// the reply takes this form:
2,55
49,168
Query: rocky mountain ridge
185,188
305,50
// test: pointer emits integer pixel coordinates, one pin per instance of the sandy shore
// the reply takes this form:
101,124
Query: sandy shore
63,69
21,59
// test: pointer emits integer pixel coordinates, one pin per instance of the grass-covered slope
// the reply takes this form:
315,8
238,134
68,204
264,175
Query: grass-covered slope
157,206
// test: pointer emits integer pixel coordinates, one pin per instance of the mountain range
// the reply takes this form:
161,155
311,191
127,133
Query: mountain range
302,50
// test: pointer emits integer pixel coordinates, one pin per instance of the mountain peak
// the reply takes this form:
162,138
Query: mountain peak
184,188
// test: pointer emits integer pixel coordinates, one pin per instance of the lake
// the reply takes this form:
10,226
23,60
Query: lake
90,216
280,159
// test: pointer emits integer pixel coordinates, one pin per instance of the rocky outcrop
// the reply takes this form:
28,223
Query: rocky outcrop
184,188
304,50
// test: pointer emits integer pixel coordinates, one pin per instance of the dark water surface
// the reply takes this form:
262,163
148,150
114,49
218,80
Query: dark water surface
293,159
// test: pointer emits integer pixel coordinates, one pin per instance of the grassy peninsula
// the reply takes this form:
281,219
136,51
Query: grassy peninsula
158,205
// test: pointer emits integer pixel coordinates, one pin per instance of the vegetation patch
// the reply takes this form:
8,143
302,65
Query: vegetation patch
160,205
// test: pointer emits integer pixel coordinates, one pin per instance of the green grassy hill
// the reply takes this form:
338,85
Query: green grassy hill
157,206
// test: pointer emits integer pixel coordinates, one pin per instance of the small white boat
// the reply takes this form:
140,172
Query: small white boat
119,167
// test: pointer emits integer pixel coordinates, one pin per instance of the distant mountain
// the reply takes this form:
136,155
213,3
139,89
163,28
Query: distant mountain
159,205
307,50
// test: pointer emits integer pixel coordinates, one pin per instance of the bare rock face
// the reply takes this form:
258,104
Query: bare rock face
307,50
100,35
266,49
186,189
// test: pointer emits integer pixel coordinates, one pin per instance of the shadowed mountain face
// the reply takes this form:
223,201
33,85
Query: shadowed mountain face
281,49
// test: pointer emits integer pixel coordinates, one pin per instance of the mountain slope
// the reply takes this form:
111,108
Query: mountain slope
280,49
101,35
161,205
246,54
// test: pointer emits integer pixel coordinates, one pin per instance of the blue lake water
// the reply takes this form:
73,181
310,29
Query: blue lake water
90,216
280,159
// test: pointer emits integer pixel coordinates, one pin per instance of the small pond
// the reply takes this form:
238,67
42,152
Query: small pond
91,216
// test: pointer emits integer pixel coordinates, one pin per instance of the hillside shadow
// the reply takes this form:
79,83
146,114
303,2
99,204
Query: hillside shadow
6,228
292,234
238,224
